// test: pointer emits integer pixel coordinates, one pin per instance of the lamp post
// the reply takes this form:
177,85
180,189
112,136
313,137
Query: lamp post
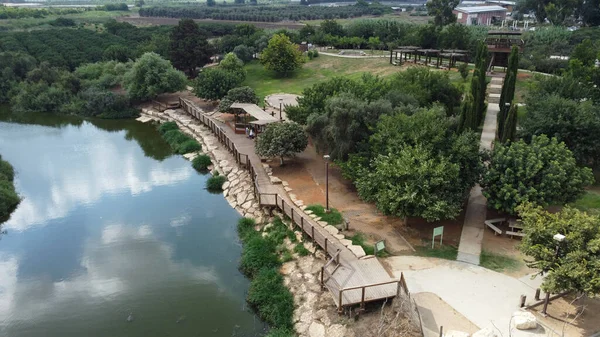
326,157
280,106
558,238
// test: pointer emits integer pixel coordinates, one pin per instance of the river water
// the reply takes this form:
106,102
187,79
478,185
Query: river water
113,226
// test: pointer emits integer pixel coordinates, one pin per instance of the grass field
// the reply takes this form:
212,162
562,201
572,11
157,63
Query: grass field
87,17
589,202
404,16
313,71
498,262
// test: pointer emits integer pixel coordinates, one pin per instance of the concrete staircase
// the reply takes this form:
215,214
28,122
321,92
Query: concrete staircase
494,89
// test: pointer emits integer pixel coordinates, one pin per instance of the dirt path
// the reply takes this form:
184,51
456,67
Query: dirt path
305,174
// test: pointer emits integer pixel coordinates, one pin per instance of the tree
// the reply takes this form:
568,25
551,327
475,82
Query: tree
281,55
211,3
214,83
151,76
441,10
234,65
543,172
331,27
463,69
239,95
510,125
508,90
281,140
570,265
116,52
244,52
575,122
468,119
585,52
478,82
189,48
418,165
139,3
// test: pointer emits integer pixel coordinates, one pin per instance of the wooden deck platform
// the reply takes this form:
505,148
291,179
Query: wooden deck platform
361,281
351,280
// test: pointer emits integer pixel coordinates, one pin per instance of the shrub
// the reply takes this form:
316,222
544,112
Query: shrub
315,53
215,183
8,197
281,332
272,300
301,250
463,69
279,231
168,126
201,162
258,254
245,227
334,217
190,145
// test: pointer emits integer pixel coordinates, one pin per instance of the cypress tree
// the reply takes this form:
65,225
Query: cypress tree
510,125
508,89
478,83
467,114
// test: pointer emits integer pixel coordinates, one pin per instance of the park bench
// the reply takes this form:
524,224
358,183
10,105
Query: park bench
511,234
490,224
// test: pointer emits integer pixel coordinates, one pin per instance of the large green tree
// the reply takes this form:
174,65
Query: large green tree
281,140
8,197
574,122
189,49
441,10
543,172
570,265
281,55
419,166
151,75
215,83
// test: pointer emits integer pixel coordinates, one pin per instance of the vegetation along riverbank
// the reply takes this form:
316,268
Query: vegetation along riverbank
8,196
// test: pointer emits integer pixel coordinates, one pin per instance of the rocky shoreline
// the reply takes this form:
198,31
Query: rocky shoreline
315,314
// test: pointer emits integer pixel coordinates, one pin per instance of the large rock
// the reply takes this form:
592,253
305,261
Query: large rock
336,330
455,333
357,250
485,333
316,330
241,197
332,230
524,320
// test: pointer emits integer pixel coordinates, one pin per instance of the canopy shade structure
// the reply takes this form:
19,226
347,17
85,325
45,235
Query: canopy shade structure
256,112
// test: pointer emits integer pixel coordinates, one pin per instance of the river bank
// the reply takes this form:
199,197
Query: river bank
315,313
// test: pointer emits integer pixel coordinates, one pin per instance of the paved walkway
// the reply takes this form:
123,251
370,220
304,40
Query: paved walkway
485,298
469,248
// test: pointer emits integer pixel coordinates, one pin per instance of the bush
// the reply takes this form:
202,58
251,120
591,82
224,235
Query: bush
281,332
201,162
190,145
272,300
168,126
8,196
245,227
463,69
215,183
301,250
258,254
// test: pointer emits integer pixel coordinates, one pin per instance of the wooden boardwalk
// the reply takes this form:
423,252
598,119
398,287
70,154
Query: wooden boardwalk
351,280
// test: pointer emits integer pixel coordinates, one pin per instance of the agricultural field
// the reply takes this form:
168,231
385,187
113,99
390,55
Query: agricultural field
87,18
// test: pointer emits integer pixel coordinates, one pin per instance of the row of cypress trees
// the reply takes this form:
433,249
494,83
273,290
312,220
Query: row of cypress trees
473,106
507,116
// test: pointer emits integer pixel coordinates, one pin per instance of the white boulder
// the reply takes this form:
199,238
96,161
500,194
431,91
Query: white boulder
485,333
456,333
524,320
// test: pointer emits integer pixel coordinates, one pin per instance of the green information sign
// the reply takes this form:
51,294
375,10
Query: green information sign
437,231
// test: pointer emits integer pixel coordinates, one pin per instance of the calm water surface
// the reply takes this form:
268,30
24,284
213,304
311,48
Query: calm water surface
111,224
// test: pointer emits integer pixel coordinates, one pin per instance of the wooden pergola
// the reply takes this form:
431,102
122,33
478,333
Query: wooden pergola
437,58
253,116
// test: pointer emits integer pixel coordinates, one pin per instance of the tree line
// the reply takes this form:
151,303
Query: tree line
38,13
265,13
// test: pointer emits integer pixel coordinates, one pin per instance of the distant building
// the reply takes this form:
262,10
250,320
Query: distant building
480,15
509,5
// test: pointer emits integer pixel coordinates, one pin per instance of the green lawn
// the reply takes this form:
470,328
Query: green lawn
334,217
498,262
444,252
86,17
589,202
313,71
